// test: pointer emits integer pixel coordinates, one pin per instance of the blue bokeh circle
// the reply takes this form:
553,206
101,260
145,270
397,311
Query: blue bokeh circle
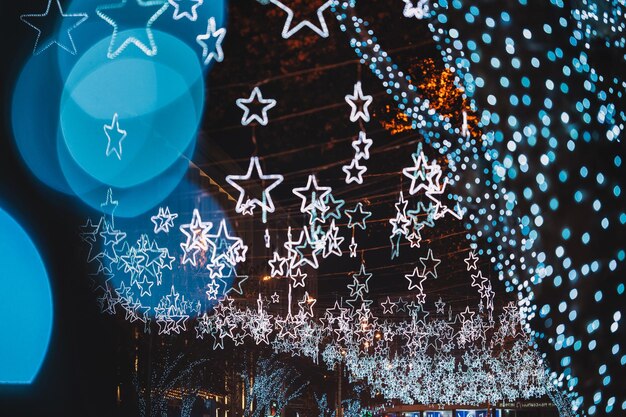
158,100
26,306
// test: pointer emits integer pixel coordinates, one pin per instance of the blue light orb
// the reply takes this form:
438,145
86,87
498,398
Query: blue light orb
153,106
137,199
26,307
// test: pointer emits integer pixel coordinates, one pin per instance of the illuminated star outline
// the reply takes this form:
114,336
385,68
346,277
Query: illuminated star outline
211,32
248,118
354,172
362,146
36,49
267,204
288,31
317,193
355,112
152,49
163,220
194,10
363,214
115,124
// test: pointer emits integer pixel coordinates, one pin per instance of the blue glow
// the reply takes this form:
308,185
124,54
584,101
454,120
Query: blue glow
159,102
193,291
26,306
137,199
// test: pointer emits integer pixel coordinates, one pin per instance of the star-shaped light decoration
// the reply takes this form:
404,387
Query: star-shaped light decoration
298,278
418,11
237,281
354,172
358,216
289,29
471,260
332,241
416,280
197,237
163,220
305,249
211,42
359,104
312,196
53,14
215,269
115,14
257,98
417,173
145,287
430,264
115,136
254,174
307,303
212,290
231,249
334,207
388,306
363,277
362,146
440,305
277,264
479,281
109,206
180,12
353,246
467,316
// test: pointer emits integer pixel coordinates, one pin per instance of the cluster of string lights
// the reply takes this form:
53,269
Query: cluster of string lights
520,163
509,173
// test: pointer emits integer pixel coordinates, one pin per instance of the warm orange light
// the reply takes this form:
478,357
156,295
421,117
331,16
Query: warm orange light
266,278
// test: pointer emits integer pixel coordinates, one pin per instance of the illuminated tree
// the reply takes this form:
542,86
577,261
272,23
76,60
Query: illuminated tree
272,380
172,373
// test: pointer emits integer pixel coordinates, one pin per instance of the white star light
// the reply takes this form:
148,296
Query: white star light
192,14
197,237
359,104
266,203
416,280
354,172
163,220
115,48
288,30
277,263
247,117
211,32
471,260
52,39
353,247
362,146
313,192
418,11
121,135
417,173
